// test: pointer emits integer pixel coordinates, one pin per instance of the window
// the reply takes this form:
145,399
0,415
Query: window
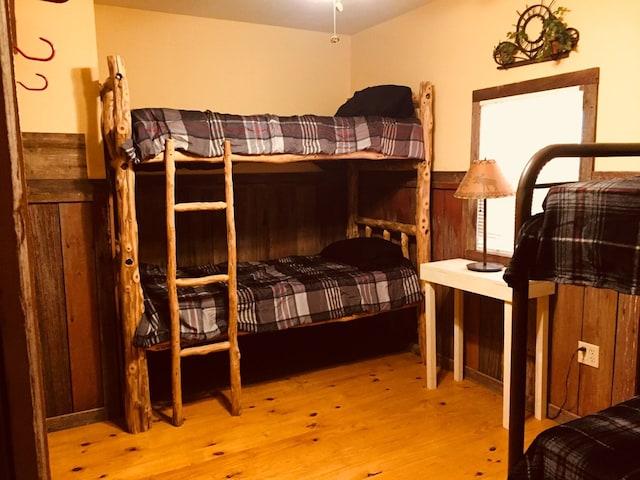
510,124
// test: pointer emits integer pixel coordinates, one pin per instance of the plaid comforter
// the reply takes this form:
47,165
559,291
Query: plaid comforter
273,295
601,446
589,234
202,134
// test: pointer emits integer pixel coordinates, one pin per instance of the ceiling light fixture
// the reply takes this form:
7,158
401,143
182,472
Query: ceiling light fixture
337,7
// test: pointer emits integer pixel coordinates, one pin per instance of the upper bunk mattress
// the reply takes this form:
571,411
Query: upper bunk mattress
202,133
588,234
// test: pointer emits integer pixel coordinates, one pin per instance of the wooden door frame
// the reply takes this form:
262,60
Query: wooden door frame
23,442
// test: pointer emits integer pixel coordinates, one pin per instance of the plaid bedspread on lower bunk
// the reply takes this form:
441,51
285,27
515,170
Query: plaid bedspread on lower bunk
202,134
601,446
273,295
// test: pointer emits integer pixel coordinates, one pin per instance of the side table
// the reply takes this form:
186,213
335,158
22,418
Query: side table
454,273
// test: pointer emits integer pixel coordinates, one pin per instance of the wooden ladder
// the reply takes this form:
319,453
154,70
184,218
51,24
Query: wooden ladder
173,283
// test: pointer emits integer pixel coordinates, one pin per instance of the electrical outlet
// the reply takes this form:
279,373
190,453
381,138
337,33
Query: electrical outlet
589,357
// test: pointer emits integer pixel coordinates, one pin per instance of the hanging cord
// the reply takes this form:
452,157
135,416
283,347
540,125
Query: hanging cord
337,7
566,383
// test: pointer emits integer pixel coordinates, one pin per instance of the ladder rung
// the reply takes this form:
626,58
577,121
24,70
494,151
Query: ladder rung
199,206
205,349
199,281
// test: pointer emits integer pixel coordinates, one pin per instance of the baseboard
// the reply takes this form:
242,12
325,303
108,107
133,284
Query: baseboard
62,422
559,416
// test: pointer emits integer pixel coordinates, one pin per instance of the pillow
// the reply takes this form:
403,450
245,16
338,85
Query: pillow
383,100
368,253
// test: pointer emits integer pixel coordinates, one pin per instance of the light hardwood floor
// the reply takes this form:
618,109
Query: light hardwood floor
369,419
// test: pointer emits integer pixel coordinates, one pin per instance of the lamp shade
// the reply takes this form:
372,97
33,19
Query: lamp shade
483,180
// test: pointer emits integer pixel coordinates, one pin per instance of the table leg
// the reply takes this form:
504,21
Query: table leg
542,350
506,363
458,334
430,335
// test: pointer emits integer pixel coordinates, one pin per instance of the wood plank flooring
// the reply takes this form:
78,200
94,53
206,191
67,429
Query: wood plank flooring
369,419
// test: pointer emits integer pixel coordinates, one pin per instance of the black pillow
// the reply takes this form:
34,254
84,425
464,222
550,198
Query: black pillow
383,100
368,253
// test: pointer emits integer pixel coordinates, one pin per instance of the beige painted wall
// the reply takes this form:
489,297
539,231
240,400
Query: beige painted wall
70,102
450,43
188,62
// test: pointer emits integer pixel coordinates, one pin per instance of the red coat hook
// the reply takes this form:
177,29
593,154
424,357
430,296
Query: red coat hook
40,59
46,84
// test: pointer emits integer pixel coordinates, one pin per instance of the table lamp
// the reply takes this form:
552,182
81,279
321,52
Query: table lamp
484,180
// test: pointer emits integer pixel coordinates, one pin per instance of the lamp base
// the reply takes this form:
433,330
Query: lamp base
484,267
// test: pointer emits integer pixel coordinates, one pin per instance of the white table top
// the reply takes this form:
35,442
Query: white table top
454,273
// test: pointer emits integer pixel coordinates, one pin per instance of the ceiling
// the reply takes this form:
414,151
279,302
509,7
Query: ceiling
314,15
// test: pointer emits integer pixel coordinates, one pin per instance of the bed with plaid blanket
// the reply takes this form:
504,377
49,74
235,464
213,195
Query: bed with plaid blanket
273,295
601,446
202,133
588,234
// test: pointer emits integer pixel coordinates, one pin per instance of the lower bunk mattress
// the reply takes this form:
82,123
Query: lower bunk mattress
601,446
273,295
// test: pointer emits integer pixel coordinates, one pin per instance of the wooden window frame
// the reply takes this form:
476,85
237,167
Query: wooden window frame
588,80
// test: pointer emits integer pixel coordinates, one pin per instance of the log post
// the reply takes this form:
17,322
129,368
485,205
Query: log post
423,197
117,128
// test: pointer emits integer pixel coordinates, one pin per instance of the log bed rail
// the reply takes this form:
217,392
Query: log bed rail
116,129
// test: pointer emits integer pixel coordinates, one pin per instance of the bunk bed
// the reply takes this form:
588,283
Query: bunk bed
146,137
587,235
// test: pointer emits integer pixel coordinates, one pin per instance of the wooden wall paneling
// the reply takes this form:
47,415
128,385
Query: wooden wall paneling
83,321
531,357
66,151
151,219
599,328
447,242
285,219
472,322
274,222
74,276
454,246
253,228
46,252
191,224
329,222
399,204
388,194
321,213
276,215
625,362
110,337
273,219
203,234
565,331
438,222
59,191
305,205
491,337
200,239
198,243
444,295
444,325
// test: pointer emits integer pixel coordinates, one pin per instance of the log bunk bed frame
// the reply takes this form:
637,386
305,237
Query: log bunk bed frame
524,195
116,129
